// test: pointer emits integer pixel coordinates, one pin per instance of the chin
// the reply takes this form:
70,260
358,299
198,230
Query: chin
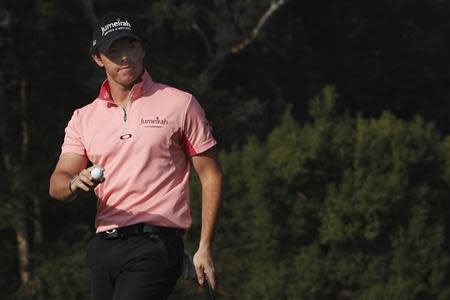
128,80
131,75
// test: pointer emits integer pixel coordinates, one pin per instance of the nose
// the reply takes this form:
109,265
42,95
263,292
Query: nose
123,56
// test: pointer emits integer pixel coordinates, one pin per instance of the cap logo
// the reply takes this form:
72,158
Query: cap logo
114,26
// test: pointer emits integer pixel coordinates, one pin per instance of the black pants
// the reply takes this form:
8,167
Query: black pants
134,268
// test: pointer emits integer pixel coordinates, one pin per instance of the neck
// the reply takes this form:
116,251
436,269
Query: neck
120,94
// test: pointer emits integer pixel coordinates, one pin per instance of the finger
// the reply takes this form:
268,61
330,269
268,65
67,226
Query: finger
86,174
200,274
210,274
212,279
81,185
86,179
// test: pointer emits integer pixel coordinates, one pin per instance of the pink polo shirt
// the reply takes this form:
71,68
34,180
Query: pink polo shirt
145,151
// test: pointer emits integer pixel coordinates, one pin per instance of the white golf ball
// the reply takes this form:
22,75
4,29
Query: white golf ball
97,173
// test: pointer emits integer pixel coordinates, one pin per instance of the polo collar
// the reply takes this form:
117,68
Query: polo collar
144,83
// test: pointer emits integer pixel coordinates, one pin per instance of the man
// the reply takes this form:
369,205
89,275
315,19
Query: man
145,135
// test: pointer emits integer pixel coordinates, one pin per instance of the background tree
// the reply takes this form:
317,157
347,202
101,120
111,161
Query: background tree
340,208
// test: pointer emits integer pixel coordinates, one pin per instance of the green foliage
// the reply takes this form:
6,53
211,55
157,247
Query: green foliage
341,207
65,275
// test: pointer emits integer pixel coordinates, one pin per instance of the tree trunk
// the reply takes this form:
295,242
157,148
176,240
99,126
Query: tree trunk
38,236
23,252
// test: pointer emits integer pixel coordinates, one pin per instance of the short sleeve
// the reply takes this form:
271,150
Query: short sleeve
197,132
72,140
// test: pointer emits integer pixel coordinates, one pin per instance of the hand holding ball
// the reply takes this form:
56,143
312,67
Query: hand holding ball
97,173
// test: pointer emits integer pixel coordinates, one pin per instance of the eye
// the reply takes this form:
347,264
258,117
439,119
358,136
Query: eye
112,50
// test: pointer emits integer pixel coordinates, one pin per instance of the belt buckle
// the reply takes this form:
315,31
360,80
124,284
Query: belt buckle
112,233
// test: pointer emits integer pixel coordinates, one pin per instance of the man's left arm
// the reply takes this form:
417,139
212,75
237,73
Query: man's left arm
208,169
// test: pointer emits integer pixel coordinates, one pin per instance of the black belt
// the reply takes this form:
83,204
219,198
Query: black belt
140,229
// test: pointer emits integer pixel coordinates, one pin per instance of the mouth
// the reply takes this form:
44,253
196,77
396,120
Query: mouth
125,68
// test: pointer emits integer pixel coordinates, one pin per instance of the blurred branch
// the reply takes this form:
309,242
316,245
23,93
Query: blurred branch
216,59
274,6
23,252
204,38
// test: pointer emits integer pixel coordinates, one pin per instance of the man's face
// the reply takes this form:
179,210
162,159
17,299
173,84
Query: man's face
123,61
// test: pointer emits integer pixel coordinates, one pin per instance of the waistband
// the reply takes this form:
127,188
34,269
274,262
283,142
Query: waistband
140,229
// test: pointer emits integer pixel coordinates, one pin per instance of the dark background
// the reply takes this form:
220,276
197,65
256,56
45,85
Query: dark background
332,121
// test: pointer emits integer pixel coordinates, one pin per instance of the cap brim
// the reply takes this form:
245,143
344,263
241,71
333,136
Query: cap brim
106,44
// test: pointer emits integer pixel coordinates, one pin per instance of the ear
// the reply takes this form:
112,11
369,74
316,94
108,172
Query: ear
98,59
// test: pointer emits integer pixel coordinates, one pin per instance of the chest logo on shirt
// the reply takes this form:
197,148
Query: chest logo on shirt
154,123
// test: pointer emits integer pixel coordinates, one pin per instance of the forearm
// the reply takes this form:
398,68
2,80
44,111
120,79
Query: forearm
208,169
211,197
69,165
59,186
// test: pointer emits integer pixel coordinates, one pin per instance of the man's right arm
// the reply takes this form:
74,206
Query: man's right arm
70,170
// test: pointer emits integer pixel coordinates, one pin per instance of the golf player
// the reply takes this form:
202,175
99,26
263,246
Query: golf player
146,136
